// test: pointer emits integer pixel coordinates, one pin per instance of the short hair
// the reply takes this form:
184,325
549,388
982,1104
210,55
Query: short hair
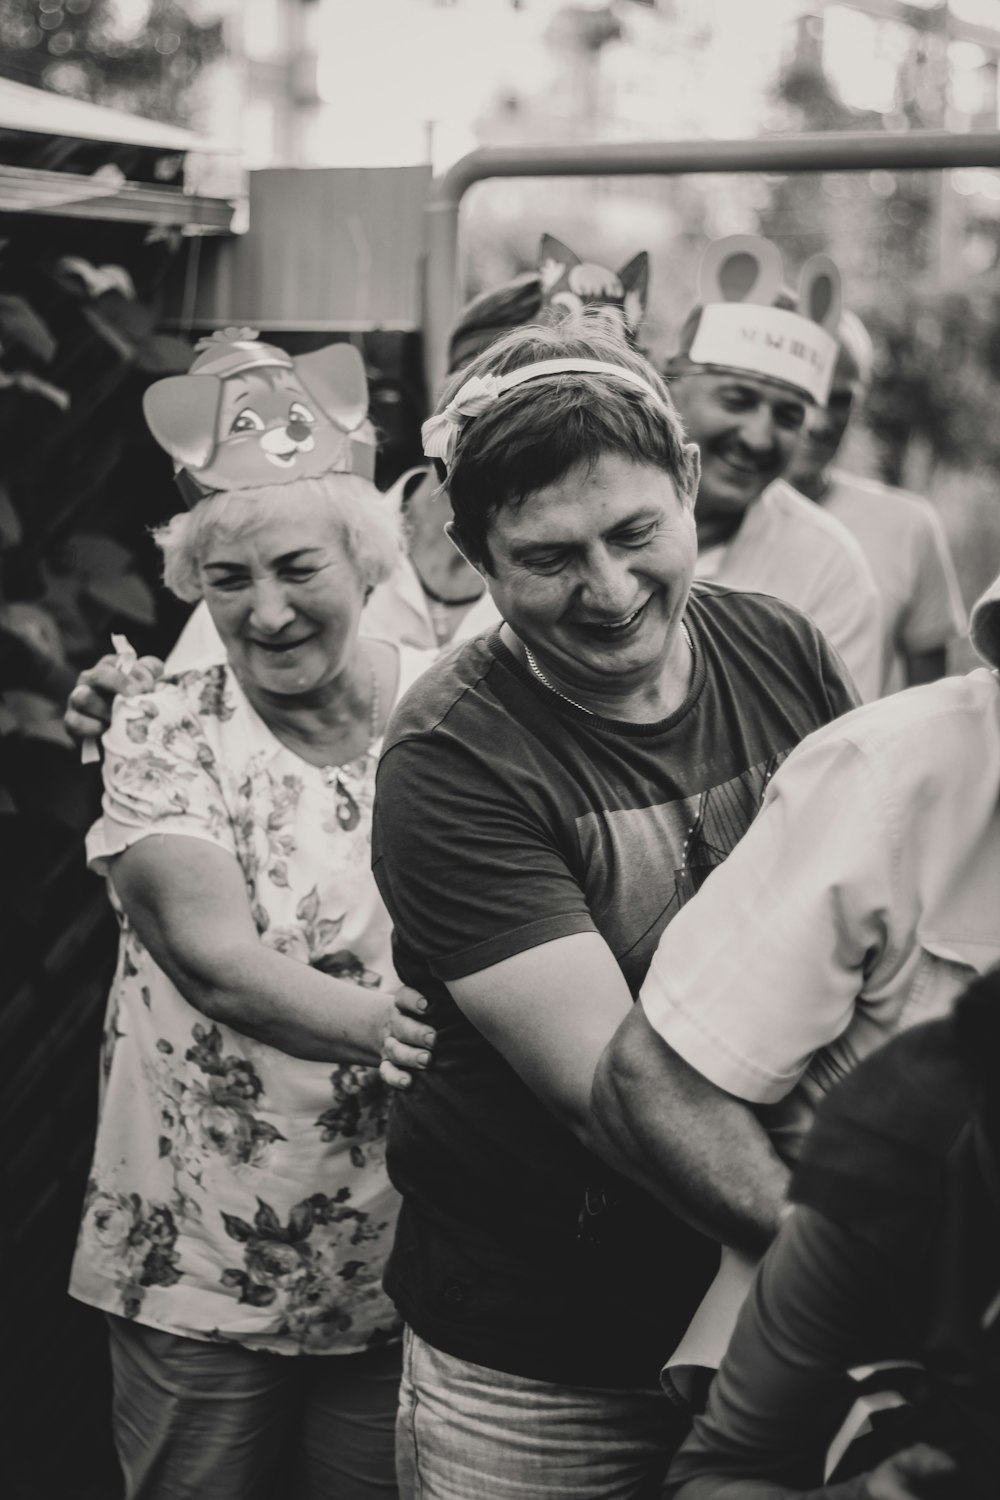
368,522
488,316
537,432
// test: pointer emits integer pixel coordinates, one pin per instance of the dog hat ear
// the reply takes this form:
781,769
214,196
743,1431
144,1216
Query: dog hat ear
182,411
740,268
634,278
819,292
335,378
554,259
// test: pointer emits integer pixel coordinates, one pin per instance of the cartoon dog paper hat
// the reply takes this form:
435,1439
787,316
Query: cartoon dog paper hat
747,321
248,414
569,283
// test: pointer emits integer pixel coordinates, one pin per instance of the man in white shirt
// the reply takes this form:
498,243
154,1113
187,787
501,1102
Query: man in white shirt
900,534
861,901
744,400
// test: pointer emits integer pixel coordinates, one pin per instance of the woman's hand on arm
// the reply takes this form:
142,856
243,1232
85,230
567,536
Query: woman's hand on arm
187,901
407,1039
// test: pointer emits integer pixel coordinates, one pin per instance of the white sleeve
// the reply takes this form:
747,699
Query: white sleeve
935,616
764,965
161,776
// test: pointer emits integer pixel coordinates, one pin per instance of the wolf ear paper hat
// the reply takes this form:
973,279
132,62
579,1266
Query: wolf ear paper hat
569,283
249,414
748,321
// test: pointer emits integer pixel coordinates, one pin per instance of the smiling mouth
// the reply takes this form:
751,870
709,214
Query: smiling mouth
745,470
609,631
278,648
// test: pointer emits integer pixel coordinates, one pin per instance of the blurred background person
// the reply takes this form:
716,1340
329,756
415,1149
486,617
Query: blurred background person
745,410
900,534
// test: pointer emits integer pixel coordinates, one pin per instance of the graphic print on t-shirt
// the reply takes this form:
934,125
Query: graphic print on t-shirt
644,863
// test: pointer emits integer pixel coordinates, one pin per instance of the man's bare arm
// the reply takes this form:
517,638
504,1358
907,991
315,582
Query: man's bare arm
706,1148
551,1012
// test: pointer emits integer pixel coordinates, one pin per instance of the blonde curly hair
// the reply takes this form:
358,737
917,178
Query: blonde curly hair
369,524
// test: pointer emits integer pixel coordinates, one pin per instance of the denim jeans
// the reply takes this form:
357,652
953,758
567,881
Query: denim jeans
469,1433
203,1421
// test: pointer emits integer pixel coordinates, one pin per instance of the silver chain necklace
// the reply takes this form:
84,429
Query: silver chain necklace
345,780
536,669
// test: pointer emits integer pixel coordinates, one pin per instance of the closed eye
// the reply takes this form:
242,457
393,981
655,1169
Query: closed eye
553,563
637,536
228,582
790,417
247,421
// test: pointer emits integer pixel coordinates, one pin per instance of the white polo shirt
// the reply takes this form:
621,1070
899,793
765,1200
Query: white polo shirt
862,899
906,548
788,547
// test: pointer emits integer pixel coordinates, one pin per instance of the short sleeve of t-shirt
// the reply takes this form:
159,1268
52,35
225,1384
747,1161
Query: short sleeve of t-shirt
764,967
935,615
160,776
477,876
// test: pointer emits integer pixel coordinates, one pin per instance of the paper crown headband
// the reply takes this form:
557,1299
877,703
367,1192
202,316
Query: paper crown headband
248,414
569,284
739,327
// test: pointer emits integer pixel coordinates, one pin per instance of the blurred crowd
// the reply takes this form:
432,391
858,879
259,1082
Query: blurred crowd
550,1049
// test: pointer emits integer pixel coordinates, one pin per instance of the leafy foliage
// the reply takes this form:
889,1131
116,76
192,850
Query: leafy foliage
87,49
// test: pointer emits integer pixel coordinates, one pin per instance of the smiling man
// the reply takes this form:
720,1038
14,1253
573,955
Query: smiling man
747,425
550,795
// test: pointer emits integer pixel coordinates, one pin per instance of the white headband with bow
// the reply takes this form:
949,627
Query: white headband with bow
440,433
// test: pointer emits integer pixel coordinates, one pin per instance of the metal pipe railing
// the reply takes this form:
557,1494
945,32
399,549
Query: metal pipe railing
833,152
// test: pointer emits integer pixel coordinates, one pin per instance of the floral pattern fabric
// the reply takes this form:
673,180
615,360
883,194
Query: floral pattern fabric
236,1192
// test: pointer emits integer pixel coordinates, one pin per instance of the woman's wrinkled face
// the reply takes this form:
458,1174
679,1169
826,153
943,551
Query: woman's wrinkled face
284,594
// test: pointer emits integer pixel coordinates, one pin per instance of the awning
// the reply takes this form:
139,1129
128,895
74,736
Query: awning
81,160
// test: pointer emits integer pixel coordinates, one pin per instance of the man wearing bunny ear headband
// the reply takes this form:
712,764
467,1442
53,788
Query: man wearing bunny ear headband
752,359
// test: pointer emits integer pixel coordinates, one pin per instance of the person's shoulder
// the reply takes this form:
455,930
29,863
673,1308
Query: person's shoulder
931,722
823,530
903,513
453,683
751,615
192,699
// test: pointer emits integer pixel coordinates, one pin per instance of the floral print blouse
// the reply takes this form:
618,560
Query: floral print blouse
239,1193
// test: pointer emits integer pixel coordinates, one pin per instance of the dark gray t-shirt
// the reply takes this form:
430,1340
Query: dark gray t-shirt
506,818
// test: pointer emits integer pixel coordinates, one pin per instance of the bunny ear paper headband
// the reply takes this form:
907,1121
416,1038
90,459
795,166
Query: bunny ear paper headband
441,432
740,328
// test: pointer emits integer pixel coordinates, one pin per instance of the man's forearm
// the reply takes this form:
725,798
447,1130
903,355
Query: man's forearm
701,1151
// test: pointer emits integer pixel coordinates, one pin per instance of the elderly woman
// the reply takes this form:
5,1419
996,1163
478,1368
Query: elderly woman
239,1214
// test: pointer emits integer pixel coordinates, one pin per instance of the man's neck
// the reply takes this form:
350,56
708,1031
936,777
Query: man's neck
817,488
714,530
655,697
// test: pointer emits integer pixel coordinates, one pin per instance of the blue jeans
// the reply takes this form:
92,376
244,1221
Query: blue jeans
202,1421
468,1433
